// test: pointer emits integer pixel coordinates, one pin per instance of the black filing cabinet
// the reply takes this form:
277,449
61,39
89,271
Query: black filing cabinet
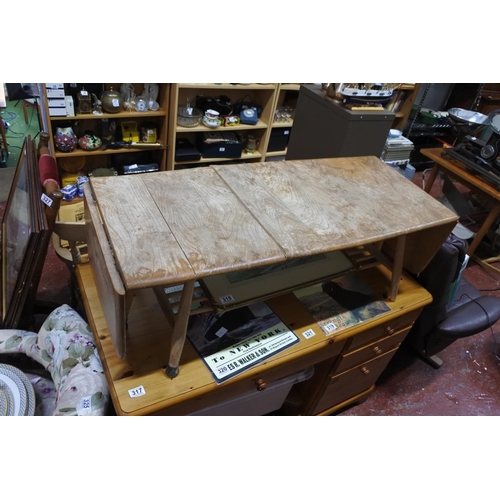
324,128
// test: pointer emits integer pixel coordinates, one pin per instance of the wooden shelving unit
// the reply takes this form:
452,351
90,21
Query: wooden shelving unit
269,96
403,113
286,92
104,157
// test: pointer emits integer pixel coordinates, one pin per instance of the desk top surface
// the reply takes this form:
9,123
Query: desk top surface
168,227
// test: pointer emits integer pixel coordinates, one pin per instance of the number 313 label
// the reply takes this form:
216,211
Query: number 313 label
137,392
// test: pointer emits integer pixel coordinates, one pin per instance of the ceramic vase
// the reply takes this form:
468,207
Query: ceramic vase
65,139
89,142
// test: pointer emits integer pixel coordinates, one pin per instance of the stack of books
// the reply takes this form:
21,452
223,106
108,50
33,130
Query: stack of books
397,149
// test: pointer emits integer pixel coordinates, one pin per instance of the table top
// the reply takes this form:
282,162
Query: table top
457,168
168,227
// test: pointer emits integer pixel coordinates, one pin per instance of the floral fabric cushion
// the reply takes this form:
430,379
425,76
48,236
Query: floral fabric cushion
65,347
45,394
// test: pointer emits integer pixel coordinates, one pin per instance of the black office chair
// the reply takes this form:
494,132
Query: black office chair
440,324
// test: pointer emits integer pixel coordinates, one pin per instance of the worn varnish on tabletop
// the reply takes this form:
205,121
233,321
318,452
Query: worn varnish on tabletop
170,227
313,206
173,227
210,223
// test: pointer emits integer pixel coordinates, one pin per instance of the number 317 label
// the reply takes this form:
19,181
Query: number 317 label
137,392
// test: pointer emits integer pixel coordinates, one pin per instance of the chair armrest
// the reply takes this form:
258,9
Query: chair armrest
470,318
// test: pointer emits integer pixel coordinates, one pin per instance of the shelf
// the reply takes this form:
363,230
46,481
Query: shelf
269,97
123,114
99,152
250,86
103,158
202,128
282,124
276,153
244,156
290,86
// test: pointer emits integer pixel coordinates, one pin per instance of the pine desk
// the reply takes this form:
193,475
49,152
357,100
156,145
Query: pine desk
346,365
159,229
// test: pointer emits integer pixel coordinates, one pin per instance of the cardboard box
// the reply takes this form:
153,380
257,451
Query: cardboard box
57,111
67,178
55,93
54,86
57,103
73,211
70,106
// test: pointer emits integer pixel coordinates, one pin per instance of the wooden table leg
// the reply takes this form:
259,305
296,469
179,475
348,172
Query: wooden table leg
432,177
4,137
397,266
165,305
180,329
487,263
492,216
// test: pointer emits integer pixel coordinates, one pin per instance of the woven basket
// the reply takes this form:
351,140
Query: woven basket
72,165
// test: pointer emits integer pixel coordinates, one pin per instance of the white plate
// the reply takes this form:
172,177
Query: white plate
22,390
11,386
6,400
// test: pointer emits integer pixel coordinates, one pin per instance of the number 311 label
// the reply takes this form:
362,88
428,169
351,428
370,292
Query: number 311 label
137,392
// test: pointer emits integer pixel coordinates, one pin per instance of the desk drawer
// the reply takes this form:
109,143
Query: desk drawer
387,329
257,379
346,385
371,351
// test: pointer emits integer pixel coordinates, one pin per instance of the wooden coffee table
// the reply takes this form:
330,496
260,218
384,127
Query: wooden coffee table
176,227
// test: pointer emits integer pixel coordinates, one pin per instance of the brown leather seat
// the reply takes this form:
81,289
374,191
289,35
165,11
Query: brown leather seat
443,321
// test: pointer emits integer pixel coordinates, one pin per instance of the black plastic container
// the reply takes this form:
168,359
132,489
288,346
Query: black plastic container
279,139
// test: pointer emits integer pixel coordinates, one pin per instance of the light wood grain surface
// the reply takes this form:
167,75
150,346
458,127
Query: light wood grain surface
146,252
314,206
170,227
109,284
210,223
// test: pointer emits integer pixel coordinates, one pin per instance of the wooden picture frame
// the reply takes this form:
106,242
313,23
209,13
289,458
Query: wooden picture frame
22,230
242,287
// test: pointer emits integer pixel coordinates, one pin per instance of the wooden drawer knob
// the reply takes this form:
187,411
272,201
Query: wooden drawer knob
365,370
261,385
377,350
389,330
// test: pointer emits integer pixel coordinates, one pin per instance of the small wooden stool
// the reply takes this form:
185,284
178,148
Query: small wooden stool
29,103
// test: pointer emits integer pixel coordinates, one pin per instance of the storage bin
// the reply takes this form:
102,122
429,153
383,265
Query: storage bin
185,151
254,403
219,145
279,139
